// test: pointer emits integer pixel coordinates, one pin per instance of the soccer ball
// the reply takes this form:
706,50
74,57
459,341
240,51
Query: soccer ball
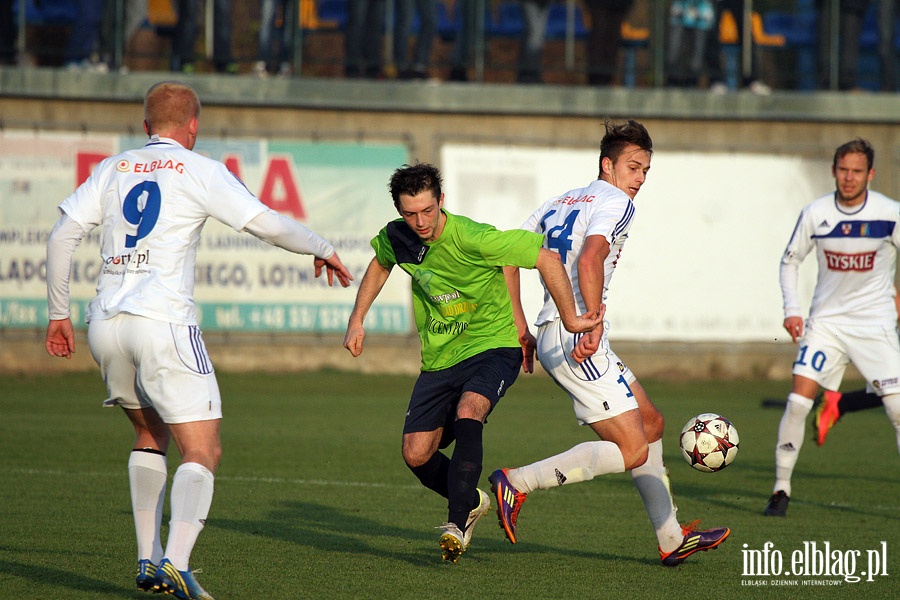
709,442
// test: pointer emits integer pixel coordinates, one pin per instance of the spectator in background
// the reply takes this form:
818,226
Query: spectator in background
535,14
604,39
186,37
83,45
271,35
850,22
421,57
8,33
135,17
715,60
692,20
362,39
887,19
466,17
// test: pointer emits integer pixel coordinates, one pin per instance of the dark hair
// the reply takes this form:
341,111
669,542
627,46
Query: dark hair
859,146
618,137
413,179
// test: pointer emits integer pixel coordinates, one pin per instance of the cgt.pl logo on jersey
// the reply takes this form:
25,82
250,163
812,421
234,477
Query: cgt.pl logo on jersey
816,563
132,262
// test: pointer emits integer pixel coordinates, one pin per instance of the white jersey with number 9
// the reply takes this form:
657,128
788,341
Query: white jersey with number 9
151,204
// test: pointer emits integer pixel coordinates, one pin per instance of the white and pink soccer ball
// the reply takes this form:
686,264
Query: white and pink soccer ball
709,442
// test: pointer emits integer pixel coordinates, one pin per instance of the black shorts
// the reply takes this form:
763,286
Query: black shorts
437,393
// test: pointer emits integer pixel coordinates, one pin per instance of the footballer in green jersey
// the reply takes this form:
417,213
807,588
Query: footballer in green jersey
460,296
472,345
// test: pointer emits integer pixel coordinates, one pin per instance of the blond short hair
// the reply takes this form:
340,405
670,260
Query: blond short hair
170,105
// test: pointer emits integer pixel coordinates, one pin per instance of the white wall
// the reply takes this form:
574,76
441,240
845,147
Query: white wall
701,262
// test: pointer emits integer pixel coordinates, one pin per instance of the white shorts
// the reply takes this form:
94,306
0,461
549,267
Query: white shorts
146,362
600,387
826,349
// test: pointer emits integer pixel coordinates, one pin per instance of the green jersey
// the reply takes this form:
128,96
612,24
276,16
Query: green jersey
460,298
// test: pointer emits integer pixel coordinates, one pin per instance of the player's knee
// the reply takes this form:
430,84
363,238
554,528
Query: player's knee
473,406
798,406
209,456
654,424
414,458
635,456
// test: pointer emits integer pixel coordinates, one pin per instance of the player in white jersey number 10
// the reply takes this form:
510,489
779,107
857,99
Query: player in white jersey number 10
855,233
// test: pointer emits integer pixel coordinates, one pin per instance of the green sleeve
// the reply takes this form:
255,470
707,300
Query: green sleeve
513,248
384,252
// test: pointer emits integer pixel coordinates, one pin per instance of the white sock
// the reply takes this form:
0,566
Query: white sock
192,491
652,482
147,477
581,463
892,408
791,432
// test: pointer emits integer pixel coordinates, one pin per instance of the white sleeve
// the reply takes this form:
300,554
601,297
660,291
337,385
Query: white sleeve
61,245
789,274
286,233
533,223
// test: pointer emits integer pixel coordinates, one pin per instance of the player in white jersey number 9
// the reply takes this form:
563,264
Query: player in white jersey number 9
150,204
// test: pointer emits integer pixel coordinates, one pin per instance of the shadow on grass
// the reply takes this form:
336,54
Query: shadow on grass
326,528
735,496
65,580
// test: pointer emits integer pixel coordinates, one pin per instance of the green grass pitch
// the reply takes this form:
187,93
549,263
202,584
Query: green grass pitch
313,500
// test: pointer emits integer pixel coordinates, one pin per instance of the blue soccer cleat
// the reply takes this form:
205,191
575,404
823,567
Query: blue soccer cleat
509,502
146,575
180,584
694,541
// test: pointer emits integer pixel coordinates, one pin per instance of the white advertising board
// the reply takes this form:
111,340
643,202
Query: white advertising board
242,284
702,258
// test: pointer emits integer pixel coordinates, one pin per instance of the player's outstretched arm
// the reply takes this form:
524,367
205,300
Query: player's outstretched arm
526,339
369,288
560,288
333,266
60,338
279,230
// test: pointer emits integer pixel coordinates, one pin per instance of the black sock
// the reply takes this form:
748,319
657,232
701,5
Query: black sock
858,400
465,470
433,474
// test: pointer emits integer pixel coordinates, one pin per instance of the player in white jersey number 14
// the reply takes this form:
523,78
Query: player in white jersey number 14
588,228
